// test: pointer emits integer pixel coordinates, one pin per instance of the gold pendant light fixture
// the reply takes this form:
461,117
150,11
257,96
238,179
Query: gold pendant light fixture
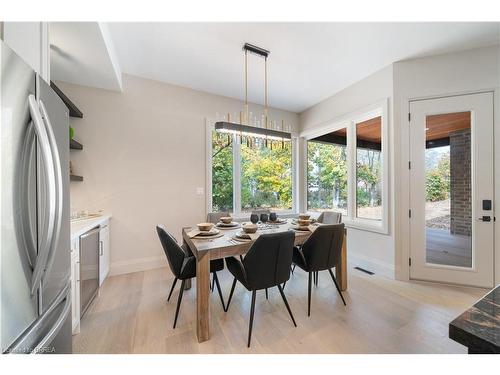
249,130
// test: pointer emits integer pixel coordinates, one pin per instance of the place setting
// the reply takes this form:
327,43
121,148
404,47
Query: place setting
304,223
226,223
247,233
204,231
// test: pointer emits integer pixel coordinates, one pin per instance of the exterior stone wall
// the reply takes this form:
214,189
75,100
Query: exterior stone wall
460,182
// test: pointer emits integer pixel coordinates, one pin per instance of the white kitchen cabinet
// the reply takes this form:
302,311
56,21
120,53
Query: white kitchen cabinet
104,250
75,285
30,40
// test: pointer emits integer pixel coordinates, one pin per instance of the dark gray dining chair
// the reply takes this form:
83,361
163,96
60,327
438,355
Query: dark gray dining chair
266,264
183,266
214,217
330,217
326,217
320,252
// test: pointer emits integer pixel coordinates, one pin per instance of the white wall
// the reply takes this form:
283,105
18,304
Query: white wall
30,40
456,73
143,158
368,249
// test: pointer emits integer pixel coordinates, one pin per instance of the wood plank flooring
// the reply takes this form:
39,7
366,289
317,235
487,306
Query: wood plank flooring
131,315
449,249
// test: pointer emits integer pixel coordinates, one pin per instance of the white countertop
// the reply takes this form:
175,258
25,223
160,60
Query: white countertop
81,226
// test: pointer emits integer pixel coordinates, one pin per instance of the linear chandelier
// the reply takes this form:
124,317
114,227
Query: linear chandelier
249,129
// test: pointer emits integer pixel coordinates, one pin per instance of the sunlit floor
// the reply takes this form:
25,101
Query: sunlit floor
449,249
382,316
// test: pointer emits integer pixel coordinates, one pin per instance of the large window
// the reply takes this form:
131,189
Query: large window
266,177
369,169
246,177
222,173
327,172
347,170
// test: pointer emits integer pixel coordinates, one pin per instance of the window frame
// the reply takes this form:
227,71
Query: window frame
349,122
237,212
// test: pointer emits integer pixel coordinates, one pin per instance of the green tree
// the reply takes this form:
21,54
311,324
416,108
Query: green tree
438,180
222,173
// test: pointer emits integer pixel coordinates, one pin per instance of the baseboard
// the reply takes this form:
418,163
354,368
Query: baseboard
136,265
371,264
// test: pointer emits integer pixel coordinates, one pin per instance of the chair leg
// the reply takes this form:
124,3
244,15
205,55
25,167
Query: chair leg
267,296
337,285
172,289
231,294
179,300
316,276
212,284
217,284
252,310
309,295
286,304
284,285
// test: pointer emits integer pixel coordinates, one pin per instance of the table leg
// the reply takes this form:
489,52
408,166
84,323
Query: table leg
185,247
341,270
202,297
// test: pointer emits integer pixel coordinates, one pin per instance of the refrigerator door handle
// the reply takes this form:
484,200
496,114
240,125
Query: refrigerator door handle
29,342
28,229
59,186
46,151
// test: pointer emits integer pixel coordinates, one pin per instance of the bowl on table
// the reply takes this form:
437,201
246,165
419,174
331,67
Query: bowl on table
226,219
205,227
304,216
250,228
304,222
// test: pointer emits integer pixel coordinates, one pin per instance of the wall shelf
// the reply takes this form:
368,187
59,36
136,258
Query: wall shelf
73,109
75,145
73,177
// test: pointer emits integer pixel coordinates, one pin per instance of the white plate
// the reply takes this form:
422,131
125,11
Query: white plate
230,225
211,232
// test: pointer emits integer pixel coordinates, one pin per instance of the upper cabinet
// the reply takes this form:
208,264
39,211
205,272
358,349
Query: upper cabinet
30,40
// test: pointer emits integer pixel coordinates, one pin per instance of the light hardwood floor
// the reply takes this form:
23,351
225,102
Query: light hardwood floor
382,316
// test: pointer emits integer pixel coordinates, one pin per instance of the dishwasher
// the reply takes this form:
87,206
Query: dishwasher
89,268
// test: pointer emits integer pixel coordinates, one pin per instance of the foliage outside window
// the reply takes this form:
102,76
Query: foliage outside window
327,175
222,173
347,169
264,175
437,166
369,169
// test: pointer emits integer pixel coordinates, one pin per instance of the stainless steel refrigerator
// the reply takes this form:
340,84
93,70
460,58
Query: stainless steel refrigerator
35,238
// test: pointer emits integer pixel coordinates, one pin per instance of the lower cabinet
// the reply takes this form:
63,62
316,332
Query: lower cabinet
104,256
104,250
75,285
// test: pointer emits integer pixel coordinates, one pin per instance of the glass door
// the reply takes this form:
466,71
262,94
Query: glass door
451,190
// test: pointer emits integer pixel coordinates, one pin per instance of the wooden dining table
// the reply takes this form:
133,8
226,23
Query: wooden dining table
209,249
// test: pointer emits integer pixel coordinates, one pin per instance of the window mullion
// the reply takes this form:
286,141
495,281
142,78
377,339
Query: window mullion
236,176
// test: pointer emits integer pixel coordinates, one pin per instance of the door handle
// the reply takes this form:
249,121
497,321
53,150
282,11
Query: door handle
47,157
59,186
485,218
100,248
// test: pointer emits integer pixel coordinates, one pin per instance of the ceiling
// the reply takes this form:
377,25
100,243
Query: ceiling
82,53
308,62
369,134
440,126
